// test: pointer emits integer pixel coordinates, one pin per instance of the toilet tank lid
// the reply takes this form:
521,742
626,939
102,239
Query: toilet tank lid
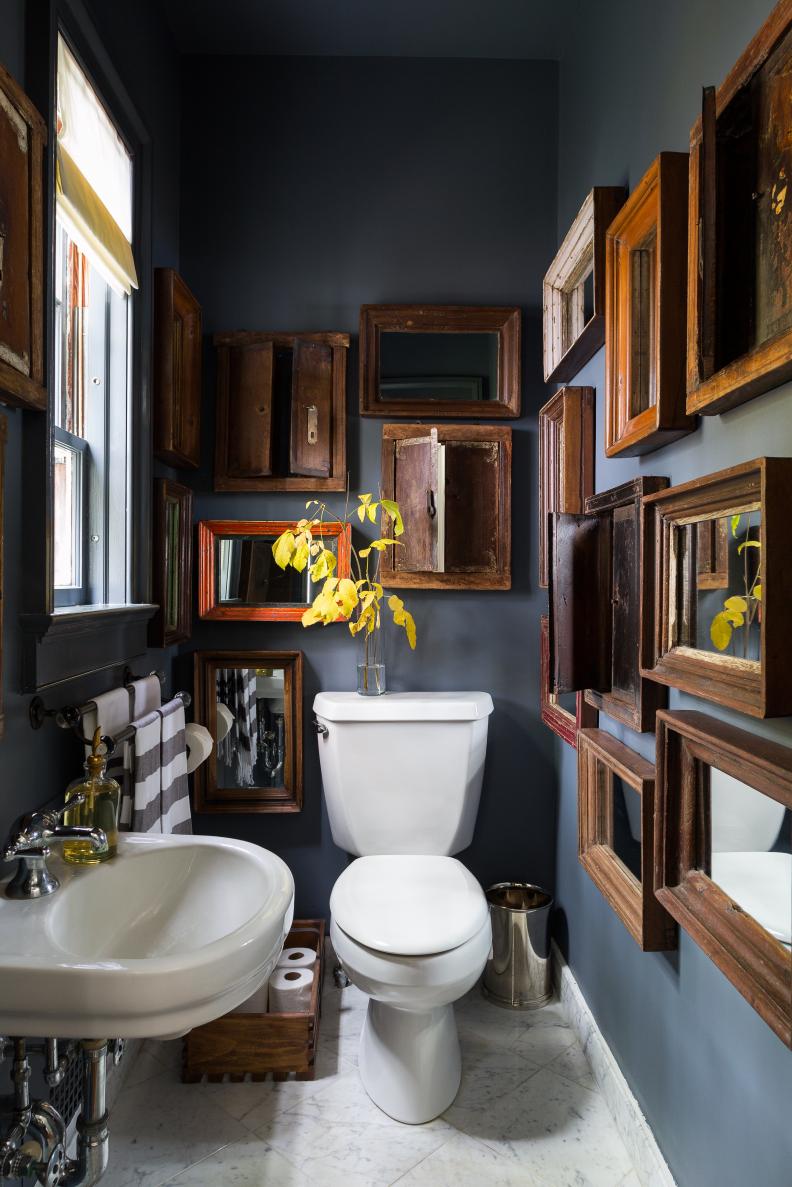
403,706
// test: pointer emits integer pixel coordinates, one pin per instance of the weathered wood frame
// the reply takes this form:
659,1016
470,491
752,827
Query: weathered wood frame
656,207
500,436
556,718
3,440
23,383
768,364
566,459
600,758
211,530
224,343
441,319
760,689
178,350
289,798
165,491
688,744
569,340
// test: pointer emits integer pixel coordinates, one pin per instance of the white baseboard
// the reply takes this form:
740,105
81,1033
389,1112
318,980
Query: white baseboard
650,1166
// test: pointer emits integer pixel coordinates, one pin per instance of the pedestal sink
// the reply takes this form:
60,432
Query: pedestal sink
172,932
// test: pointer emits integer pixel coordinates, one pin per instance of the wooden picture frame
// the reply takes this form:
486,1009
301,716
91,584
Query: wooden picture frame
453,485
689,745
281,411
645,263
574,288
566,459
601,604
760,687
288,797
605,838
23,135
210,531
178,347
3,440
563,723
739,282
172,584
376,320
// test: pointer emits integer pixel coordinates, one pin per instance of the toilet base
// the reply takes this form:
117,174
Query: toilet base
410,1062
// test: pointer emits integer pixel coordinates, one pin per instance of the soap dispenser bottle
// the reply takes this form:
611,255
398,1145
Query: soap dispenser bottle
99,809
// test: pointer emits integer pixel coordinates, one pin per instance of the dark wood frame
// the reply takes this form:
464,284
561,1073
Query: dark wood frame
763,689
337,480
178,350
19,386
441,319
497,435
582,254
600,757
165,491
559,720
768,364
657,206
566,460
209,530
207,796
3,440
688,743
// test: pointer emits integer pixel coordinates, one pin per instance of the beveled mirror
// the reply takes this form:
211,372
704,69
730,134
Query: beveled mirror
439,361
238,576
251,703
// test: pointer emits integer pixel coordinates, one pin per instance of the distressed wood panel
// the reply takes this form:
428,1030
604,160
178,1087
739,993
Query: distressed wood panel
311,438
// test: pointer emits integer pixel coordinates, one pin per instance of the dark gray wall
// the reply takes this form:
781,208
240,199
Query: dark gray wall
37,767
311,186
713,1080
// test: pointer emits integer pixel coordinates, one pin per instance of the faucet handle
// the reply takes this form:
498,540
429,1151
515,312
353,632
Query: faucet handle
52,818
29,834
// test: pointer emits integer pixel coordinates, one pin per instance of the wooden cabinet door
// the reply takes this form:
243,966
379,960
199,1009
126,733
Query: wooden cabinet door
177,371
580,612
311,439
244,412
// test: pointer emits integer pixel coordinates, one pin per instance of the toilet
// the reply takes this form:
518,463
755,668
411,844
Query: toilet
410,925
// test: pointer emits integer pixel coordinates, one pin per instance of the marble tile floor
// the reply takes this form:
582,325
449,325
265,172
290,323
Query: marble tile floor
528,1113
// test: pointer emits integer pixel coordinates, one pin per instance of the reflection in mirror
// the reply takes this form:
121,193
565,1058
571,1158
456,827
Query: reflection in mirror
250,701
643,378
172,529
626,825
566,701
247,575
438,366
751,852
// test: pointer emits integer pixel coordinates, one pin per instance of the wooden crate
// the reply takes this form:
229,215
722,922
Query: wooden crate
259,1045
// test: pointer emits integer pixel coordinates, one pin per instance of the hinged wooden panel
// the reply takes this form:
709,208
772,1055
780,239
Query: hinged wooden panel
244,430
472,525
580,622
177,371
416,494
560,720
566,459
311,441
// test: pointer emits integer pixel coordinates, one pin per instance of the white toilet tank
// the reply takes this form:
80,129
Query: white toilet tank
402,772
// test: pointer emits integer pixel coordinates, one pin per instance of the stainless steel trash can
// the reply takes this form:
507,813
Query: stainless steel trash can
517,974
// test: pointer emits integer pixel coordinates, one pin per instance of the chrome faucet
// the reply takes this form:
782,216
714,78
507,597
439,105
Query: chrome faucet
29,841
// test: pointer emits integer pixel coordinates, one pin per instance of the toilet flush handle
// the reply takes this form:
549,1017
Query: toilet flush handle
321,728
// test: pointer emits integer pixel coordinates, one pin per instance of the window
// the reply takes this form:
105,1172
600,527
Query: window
94,283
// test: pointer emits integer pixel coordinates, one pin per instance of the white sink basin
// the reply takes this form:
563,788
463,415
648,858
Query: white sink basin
172,932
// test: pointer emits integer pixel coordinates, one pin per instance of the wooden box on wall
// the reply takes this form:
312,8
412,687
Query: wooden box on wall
281,411
740,245
23,135
177,371
566,459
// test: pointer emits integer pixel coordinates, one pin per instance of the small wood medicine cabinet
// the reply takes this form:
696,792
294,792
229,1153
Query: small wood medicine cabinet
178,345
566,459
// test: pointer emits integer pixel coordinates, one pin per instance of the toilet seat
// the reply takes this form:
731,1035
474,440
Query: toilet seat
408,904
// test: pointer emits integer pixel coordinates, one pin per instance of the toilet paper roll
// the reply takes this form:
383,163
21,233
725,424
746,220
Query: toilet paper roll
256,1003
290,990
225,719
297,958
199,745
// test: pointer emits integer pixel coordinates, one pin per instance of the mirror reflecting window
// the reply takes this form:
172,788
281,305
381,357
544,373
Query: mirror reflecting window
438,366
247,574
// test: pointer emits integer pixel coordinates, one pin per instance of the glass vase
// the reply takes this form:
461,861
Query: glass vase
371,663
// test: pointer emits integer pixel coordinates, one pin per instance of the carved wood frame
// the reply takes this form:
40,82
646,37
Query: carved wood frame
656,207
566,460
770,363
159,635
569,340
441,319
688,743
600,758
554,716
210,530
763,688
207,795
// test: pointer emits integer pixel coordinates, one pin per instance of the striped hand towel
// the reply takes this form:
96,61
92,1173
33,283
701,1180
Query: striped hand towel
236,688
147,812
111,712
162,802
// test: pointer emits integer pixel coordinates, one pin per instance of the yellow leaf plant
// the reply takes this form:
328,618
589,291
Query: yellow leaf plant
740,610
357,599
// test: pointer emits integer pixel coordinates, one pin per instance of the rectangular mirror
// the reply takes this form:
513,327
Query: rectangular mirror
171,564
723,853
238,576
251,703
439,361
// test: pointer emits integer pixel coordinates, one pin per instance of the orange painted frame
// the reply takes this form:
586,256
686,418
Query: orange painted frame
210,529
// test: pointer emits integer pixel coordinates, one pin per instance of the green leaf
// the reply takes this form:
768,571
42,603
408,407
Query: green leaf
323,565
371,511
283,549
381,545
734,617
720,632
361,513
347,596
735,523
748,544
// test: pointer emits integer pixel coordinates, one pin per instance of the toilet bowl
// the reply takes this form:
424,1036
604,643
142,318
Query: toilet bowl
413,933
